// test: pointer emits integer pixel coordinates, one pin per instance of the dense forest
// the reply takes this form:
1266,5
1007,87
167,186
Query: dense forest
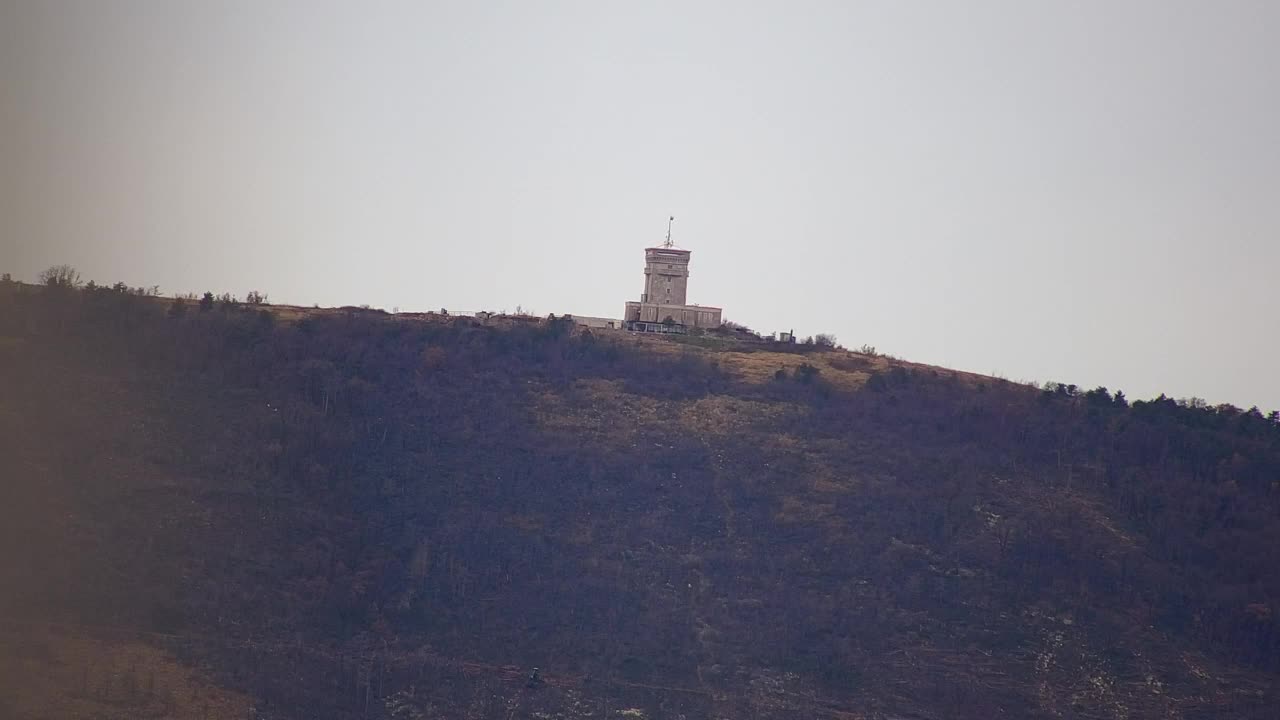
345,513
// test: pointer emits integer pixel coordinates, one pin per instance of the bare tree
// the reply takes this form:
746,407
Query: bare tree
60,276
825,340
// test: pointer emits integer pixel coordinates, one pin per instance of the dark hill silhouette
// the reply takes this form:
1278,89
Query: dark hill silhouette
346,514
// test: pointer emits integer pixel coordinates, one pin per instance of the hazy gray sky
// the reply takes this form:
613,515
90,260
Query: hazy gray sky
1080,191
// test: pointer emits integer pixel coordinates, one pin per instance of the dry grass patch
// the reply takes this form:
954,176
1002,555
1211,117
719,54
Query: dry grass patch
834,367
827,483
598,411
603,411
724,414
51,673
802,511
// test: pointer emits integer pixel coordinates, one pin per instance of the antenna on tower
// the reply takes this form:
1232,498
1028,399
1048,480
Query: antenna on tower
668,243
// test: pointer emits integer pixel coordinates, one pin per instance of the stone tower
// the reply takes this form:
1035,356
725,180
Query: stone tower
664,305
666,276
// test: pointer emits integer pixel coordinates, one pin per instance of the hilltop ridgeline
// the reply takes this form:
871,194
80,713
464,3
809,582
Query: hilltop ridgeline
348,514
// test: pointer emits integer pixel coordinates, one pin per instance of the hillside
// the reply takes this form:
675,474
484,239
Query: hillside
238,511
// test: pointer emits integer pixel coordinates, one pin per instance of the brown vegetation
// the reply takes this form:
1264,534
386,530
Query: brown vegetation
348,514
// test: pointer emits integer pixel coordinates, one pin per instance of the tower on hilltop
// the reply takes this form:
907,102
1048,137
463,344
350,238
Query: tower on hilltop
666,276
663,305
